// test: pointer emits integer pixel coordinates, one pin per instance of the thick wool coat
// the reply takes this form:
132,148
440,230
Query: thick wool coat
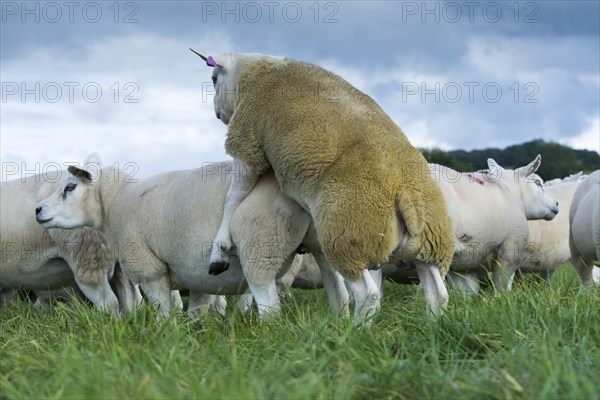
337,153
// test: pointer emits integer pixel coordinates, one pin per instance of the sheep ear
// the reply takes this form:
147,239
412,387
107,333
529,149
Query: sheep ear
80,174
531,167
493,166
210,61
576,176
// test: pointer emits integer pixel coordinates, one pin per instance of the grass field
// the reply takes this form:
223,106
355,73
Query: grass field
536,342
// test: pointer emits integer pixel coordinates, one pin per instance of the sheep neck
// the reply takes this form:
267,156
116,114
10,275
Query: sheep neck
110,187
513,185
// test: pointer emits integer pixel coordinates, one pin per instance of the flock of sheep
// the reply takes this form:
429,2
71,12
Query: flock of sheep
329,174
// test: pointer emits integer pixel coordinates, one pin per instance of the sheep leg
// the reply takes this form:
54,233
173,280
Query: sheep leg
158,292
366,298
333,283
433,285
585,271
242,183
244,302
267,299
466,283
7,295
102,296
285,282
261,272
216,304
596,275
44,299
176,299
547,275
128,294
503,275
68,294
377,275
196,301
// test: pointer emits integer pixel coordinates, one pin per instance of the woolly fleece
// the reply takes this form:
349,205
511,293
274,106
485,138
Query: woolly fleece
338,153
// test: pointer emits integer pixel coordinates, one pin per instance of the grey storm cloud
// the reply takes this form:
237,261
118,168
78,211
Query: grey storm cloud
453,74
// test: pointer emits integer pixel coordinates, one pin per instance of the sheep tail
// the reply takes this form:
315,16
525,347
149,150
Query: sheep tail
411,212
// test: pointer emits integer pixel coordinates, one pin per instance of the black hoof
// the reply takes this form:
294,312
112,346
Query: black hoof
215,268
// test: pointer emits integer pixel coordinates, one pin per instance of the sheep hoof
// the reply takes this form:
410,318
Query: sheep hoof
217,267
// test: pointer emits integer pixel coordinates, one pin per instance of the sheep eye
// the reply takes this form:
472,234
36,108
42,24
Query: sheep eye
538,182
70,187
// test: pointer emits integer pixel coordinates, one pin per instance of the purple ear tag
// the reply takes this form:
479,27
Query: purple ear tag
211,62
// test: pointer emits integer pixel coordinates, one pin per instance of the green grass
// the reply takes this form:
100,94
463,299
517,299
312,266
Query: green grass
539,341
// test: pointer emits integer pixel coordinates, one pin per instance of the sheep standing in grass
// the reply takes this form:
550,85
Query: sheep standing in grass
163,228
548,243
126,292
584,233
489,212
337,153
33,258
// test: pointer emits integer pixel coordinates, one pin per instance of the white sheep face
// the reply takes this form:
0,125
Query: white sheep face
537,202
224,77
73,205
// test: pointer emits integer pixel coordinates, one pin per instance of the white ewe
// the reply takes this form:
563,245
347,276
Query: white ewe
33,258
163,229
489,212
584,234
548,243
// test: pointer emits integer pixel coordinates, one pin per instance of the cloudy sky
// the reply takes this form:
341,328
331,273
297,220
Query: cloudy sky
117,78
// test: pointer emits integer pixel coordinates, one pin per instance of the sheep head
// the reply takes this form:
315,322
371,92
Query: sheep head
76,203
226,71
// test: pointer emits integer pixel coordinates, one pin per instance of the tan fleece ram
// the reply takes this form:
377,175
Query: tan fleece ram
345,158
337,153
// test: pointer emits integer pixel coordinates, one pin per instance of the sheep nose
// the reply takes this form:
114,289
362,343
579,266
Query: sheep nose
218,114
38,210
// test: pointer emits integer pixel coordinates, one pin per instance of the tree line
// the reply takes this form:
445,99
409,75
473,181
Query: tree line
558,161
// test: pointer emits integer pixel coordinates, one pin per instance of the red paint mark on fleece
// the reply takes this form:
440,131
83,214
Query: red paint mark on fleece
475,179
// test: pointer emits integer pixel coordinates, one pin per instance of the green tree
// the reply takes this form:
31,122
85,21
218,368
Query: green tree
558,160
